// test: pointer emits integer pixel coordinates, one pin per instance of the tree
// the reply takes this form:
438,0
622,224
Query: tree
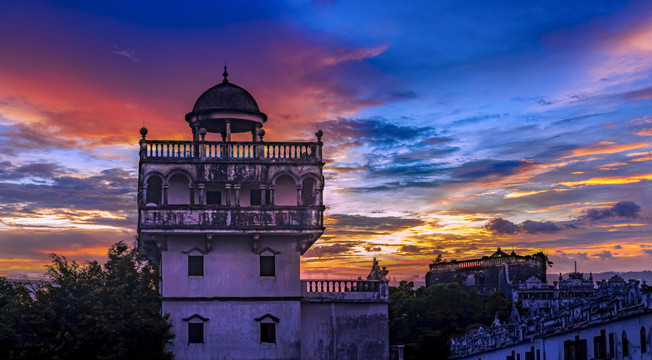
89,311
425,319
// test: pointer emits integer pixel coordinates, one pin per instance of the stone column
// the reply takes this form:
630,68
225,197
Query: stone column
192,194
237,194
270,188
165,194
228,130
227,193
299,195
202,197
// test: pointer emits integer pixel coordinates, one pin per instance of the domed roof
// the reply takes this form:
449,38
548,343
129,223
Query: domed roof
226,108
226,96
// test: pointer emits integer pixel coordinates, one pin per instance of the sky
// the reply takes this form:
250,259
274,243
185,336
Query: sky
450,127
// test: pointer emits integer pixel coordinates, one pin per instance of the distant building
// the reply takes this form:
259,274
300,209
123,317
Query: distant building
499,271
535,293
612,322
227,222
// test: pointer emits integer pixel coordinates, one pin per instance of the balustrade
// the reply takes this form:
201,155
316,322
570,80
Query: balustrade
164,149
330,286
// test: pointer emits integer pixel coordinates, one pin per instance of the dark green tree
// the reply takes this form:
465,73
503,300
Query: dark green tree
425,319
86,312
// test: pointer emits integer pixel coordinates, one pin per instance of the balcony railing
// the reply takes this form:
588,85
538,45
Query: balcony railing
243,218
166,150
345,290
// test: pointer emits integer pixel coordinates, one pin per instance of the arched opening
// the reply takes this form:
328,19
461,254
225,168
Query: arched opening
179,190
625,344
154,191
643,340
309,192
285,191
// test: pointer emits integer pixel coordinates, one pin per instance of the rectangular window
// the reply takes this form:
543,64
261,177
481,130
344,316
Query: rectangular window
268,333
267,265
195,265
254,197
600,346
612,346
213,198
195,333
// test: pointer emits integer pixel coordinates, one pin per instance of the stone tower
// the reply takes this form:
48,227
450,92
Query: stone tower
227,222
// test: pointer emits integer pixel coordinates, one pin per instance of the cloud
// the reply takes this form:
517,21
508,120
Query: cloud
329,250
606,254
343,224
506,227
648,251
128,53
622,209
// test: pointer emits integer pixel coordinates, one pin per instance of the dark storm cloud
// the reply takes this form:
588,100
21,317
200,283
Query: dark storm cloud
606,254
623,209
111,190
9,171
485,168
329,250
374,224
501,226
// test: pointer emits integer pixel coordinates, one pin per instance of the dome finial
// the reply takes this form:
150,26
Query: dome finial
225,74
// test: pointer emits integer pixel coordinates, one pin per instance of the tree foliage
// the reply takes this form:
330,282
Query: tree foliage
425,319
86,311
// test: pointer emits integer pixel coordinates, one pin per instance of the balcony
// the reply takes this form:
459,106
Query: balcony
216,151
202,217
344,291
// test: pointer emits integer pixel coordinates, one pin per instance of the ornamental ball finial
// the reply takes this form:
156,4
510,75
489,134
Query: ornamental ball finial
319,134
202,133
143,132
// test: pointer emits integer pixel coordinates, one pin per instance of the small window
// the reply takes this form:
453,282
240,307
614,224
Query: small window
643,341
195,265
196,333
625,345
213,198
268,333
267,266
254,197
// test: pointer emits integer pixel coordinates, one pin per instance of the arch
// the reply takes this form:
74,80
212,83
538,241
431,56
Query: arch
179,189
153,189
309,192
285,172
285,190
175,172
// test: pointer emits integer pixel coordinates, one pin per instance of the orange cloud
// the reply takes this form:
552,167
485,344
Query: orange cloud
615,180
604,147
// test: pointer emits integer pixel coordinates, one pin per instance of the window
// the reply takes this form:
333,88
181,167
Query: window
643,341
195,328
600,346
196,333
267,265
268,332
254,197
612,346
625,345
153,193
213,198
195,265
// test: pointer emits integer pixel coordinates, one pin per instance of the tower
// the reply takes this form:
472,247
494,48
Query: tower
227,222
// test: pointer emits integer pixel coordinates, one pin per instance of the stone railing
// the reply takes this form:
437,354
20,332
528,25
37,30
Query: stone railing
345,290
165,150
232,218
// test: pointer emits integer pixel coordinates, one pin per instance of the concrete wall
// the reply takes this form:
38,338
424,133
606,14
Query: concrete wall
552,347
344,331
232,331
231,268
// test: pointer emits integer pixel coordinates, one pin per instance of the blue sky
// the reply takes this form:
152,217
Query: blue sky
451,127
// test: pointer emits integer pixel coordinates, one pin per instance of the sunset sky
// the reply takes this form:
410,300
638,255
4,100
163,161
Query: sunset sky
450,127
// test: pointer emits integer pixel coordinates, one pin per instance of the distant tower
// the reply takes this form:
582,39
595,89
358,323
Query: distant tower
227,222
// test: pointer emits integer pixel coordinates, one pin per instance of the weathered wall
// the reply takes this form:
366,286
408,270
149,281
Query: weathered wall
232,332
344,331
231,268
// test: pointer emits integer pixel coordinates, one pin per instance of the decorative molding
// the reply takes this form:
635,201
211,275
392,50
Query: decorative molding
195,316
267,316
